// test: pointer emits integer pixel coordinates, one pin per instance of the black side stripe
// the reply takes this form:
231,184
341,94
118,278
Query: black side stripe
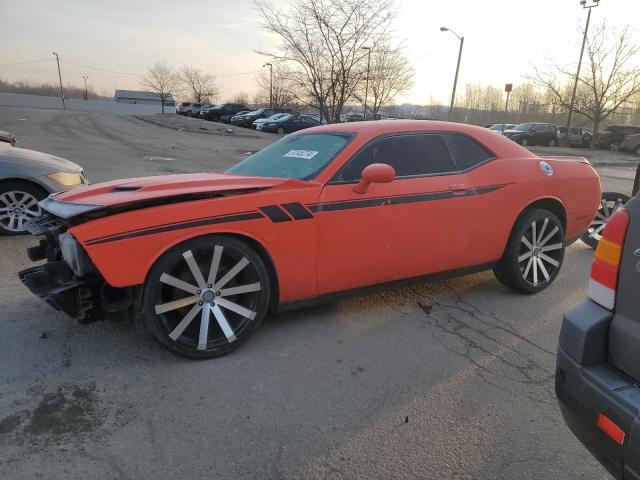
398,200
275,213
178,226
297,211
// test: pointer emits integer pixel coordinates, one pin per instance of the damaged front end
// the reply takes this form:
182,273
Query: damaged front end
69,281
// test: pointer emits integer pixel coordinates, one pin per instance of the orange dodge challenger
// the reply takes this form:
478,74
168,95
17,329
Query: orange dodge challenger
203,258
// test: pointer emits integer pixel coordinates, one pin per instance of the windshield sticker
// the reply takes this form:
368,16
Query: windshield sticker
306,154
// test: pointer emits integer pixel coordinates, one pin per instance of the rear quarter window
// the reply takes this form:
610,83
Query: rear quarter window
467,153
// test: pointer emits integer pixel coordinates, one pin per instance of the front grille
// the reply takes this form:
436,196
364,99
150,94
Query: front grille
42,224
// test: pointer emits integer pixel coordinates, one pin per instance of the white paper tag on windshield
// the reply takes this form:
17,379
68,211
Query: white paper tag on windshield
306,154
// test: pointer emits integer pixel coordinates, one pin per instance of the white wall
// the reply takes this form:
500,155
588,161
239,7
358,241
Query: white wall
110,106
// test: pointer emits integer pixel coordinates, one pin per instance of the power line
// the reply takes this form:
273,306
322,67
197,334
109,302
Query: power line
100,69
24,63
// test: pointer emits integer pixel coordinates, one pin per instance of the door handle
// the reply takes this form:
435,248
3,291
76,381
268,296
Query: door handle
459,189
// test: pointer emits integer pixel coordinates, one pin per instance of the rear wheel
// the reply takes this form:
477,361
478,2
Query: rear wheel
207,296
534,253
18,204
614,147
609,204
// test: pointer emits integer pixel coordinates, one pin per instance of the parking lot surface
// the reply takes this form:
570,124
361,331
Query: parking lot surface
448,379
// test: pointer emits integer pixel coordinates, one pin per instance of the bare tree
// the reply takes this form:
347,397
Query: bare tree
283,88
611,77
161,79
322,46
242,98
200,86
390,75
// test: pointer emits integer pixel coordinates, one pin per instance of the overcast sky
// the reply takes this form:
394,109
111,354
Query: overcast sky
502,39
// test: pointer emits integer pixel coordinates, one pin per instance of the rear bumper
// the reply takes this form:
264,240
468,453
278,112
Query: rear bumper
587,386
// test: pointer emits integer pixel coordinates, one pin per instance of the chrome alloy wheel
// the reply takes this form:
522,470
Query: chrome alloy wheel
16,208
610,203
541,252
208,297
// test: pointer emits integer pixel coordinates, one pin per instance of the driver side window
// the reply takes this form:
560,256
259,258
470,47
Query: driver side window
409,154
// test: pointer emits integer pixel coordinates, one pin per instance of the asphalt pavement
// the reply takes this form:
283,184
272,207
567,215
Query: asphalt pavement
438,380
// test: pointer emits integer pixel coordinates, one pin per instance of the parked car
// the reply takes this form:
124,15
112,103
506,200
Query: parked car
598,362
257,125
227,118
214,114
26,177
204,109
610,203
351,117
247,119
578,137
631,143
7,137
202,258
527,134
189,109
289,123
501,127
613,136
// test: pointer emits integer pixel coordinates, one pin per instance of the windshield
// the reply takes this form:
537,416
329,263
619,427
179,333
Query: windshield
524,127
299,156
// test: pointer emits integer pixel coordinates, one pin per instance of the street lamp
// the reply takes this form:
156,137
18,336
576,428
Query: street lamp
366,85
594,3
86,95
270,65
60,77
455,80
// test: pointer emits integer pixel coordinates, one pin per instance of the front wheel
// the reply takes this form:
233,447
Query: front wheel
207,296
281,131
609,204
524,142
614,147
18,204
534,253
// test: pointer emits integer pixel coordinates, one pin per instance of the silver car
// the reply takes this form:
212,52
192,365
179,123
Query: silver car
26,177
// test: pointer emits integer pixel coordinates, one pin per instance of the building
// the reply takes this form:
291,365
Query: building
144,98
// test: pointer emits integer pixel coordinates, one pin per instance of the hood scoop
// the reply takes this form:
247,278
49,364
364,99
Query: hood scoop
126,188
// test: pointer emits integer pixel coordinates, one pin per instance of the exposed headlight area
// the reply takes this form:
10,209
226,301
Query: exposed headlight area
67,179
66,210
74,255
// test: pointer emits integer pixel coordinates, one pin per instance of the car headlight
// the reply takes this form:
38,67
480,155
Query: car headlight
65,178
66,210
74,255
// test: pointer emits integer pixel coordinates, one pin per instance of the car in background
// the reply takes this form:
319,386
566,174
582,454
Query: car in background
188,109
351,117
203,258
215,113
631,143
227,118
597,379
247,119
578,136
528,134
289,123
613,136
501,127
26,177
8,137
258,123
205,108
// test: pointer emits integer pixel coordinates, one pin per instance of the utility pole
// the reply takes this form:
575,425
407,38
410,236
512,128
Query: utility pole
86,93
366,85
455,80
270,65
60,77
575,84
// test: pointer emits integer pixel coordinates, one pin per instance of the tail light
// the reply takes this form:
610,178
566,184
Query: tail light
606,264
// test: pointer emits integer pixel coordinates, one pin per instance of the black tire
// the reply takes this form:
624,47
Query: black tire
180,328
18,203
524,142
552,142
281,131
189,113
638,150
609,203
520,272
614,146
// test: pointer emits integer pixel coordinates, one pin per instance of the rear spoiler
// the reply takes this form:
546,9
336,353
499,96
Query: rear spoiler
567,158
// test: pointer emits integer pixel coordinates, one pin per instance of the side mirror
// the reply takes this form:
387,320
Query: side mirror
375,173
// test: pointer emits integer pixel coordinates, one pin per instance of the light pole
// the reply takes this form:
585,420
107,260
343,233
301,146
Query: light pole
86,95
60,77
270,65
584,41
455,80
366,84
